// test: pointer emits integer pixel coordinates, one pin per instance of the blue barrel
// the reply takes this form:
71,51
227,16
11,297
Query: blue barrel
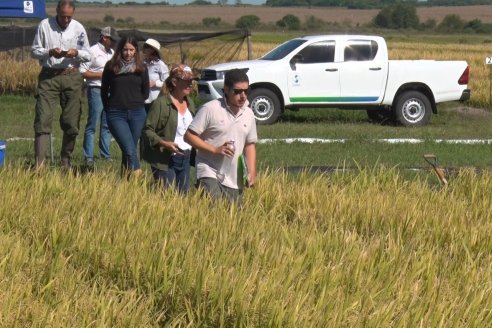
3,146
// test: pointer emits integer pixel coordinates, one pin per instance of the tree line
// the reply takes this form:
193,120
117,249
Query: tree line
353,4
371,4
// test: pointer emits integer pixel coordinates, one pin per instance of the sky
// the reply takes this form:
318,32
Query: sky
182,2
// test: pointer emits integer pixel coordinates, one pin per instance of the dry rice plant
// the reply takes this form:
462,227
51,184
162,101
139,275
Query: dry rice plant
20,77
17,77
336,250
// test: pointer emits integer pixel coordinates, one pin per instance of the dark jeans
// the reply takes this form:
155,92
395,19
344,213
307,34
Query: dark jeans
126,127
178,173
96,114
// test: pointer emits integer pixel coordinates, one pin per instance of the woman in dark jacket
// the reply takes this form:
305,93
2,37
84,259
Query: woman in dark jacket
124,88
166,124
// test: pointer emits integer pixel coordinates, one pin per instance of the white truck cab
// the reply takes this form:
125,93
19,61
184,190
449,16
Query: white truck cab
343,71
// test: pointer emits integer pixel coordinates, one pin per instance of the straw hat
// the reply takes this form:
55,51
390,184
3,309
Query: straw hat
155,45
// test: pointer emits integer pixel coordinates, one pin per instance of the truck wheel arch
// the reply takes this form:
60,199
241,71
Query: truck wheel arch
420,87
267,102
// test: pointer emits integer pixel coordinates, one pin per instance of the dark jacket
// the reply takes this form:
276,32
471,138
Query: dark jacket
161,124
124,91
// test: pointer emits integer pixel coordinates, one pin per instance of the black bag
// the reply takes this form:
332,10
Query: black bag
193,157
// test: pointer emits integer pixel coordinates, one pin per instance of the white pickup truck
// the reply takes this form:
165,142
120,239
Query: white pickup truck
343,71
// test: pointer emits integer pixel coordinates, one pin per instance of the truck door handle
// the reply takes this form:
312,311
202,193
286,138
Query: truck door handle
331,69
375,68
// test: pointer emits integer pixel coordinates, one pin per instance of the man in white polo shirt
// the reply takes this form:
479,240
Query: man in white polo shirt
101,53
221,131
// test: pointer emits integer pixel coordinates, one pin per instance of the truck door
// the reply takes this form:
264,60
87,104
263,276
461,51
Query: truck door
362,72
313,76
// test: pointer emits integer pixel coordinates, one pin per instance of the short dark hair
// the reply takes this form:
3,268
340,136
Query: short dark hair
235,75
65,3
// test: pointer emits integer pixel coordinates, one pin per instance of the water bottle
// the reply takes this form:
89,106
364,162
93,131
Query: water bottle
227,162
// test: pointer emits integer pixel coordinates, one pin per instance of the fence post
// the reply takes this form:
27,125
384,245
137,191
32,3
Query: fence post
250,50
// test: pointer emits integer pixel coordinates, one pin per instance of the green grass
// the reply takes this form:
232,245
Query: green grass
17,115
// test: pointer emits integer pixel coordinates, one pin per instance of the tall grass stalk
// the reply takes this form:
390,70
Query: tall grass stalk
367,248
21,77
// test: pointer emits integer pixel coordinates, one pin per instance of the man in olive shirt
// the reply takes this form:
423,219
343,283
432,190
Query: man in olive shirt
60,45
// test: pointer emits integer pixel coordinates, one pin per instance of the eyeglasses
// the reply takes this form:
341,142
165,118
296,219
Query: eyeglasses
186,81
239,91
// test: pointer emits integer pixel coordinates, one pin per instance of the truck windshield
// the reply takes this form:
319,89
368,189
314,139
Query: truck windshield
283,50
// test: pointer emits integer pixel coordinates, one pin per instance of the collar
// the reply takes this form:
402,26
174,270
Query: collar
239,112
103,48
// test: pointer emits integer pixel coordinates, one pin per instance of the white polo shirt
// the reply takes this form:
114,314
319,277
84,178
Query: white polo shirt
99,58
216,124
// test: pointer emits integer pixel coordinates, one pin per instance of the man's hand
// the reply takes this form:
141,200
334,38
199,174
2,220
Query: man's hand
56,52
251,181
151,83
72,53
225,150
59,53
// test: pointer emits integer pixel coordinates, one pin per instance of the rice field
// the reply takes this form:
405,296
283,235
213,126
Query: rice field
20,77
367,249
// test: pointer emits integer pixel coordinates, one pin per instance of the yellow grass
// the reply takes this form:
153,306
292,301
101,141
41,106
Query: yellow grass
21,76
339,250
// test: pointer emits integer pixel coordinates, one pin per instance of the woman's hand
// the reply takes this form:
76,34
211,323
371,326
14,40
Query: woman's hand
171,146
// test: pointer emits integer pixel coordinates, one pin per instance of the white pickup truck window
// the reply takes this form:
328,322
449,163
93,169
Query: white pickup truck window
360,50
319,52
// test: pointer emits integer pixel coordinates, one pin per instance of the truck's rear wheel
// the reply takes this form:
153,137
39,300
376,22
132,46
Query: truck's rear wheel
413,108
265,106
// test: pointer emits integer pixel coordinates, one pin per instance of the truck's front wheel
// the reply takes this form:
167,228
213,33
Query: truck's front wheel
413,108
265,106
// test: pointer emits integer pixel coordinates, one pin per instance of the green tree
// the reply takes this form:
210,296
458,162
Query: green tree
247,21
291,22
399,15
451,23
211,21
108,19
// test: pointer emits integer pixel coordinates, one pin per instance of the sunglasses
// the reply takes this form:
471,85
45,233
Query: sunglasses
188,82
239,91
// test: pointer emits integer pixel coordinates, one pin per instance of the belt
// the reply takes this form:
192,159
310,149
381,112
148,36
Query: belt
60,71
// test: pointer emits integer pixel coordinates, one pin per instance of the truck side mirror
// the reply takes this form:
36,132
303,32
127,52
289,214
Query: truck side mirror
298,58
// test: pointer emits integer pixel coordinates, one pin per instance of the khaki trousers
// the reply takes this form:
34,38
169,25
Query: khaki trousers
54,90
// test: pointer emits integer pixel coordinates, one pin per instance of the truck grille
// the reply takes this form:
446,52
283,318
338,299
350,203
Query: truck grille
209,75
